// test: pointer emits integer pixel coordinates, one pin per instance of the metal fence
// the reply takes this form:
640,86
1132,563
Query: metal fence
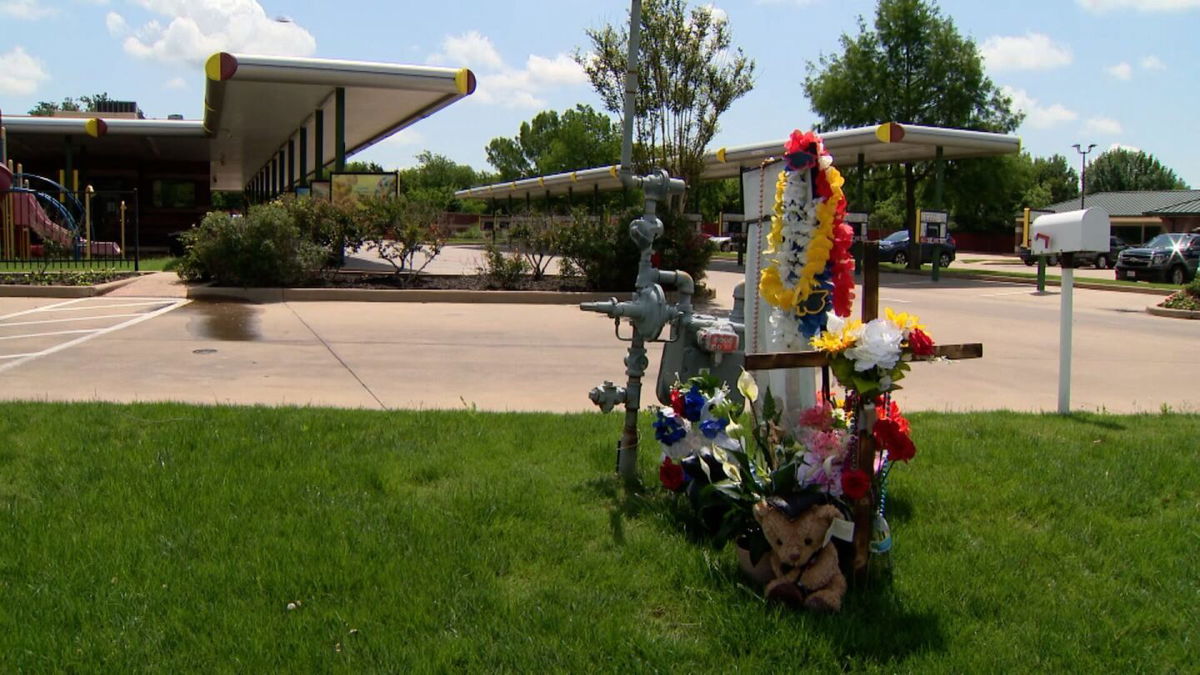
42,227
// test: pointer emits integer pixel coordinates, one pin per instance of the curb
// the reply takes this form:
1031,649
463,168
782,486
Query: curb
1172,313
24,291
268,295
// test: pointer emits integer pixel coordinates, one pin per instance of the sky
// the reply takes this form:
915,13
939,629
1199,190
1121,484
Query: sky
1117,73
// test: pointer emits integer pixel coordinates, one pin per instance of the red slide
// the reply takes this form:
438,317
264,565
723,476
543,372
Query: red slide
28,213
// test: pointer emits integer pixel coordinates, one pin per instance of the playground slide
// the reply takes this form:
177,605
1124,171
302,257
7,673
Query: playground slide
28,213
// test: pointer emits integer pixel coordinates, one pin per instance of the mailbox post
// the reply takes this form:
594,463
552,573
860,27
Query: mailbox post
1065,234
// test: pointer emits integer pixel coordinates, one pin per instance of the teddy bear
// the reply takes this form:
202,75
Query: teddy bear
802,557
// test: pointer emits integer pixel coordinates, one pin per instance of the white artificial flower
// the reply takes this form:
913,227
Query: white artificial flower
877,345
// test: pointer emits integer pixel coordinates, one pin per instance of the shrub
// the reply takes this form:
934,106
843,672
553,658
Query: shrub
536,238
265,248
501,269
405,232
604,255
334,227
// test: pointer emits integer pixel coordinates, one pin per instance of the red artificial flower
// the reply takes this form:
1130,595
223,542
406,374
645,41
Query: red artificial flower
898,444
920,343
890,411
855,483
677,402
799,141
823,187
671,475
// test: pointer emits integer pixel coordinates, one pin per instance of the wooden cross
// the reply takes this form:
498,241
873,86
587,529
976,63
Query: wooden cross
865,508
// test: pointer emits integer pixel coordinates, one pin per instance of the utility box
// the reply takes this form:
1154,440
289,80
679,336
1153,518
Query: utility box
933,226
1069,232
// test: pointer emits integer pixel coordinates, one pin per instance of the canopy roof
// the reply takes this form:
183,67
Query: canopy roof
887,143
253,106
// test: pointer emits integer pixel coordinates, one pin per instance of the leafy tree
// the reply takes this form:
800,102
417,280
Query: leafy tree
435,179
364,167
912,66
83,104
689,75
580,138
1120,169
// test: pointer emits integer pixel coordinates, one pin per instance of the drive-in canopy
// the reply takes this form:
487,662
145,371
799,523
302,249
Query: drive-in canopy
886,143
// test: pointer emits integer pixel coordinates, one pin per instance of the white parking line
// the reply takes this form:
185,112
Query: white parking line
76,318
87,307
18,359
50,334
40,309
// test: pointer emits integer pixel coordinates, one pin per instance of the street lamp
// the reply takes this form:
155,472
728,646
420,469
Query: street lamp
1083,170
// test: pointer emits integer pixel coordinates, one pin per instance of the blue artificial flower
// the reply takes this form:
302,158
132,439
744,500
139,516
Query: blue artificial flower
668,430
693,404
711,428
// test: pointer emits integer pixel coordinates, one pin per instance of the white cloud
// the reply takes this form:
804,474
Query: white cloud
116,25
1102,125
1121,71
1033,51
20,73
1122,146
198,28
1152,63
1037,115
719,15
176,83
26,9
1139,5
471,49
499,83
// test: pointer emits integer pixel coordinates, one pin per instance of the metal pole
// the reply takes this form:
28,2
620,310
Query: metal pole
631,85
339,129
1066,314
304,156
318,143
87,220
291,164
937,200
1083,170
123,228
137,231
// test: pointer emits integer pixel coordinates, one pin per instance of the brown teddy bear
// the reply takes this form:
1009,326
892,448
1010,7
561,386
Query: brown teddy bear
803,559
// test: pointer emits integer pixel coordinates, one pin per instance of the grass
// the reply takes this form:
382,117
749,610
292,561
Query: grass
155,264
1002,274
167,537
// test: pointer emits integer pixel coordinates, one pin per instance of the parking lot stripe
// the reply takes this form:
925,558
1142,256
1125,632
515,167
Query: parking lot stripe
88,307
74,318
39,309
16,356
57,332
19,359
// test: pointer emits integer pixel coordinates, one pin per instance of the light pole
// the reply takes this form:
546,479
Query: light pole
1083,170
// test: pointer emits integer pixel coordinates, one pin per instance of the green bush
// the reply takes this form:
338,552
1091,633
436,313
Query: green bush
265,248
501,269
403,231
537,238
600,250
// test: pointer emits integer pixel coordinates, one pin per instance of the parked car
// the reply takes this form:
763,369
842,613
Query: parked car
1102,260
894,248
1169,257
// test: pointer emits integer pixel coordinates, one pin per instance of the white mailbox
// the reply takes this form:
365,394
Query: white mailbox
1068,232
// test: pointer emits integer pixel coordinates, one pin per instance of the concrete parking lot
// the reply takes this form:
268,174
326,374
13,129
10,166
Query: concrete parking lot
147,343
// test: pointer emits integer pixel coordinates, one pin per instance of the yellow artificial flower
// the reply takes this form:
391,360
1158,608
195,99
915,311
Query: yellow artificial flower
903,320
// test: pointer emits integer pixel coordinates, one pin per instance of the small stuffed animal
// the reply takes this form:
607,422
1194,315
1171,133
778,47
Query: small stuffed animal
803,559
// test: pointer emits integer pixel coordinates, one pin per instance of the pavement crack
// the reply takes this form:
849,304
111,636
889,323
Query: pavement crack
336,356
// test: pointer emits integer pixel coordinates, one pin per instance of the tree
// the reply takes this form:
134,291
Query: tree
580,138
1119,170
912,67
364,167
1055,177
688,76
84,104
435,179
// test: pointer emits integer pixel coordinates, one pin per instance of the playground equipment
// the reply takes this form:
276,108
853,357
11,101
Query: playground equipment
25,209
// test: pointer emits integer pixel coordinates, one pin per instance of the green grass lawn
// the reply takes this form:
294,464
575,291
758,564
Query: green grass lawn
170,538
155,264
1022,273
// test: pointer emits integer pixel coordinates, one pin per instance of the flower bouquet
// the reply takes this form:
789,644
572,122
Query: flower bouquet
869,359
